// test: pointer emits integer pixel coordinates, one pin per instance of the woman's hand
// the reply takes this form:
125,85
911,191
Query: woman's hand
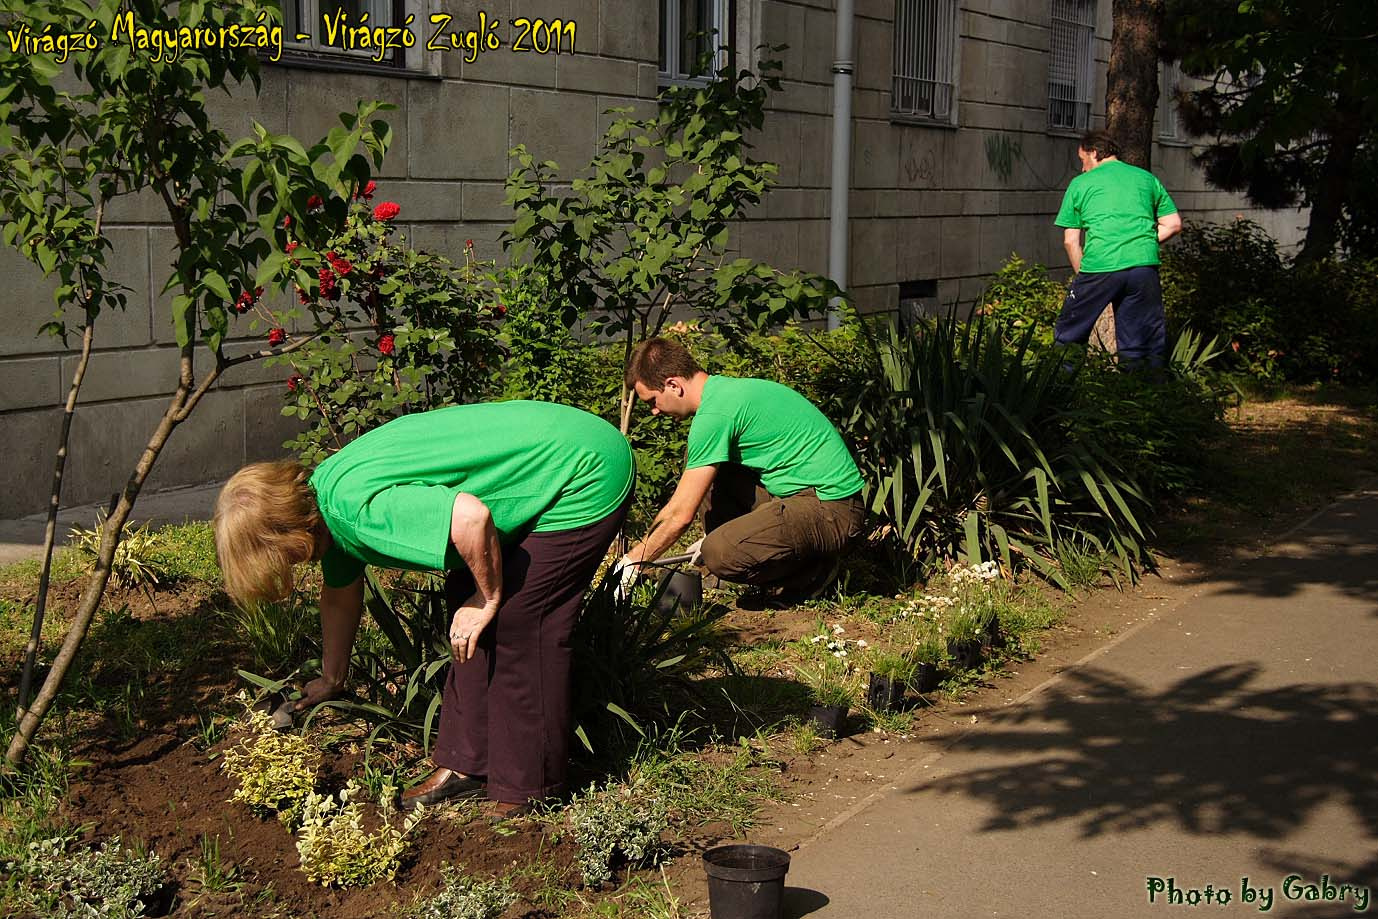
468,623
321,689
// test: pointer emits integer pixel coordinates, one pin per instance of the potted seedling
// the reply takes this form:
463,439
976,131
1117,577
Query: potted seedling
930,653
830,697
890,676
965,629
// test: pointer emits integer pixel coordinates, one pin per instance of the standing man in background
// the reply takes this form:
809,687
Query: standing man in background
1125,213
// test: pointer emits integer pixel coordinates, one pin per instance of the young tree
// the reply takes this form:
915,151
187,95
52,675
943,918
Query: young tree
1131,92
136,122
1292,101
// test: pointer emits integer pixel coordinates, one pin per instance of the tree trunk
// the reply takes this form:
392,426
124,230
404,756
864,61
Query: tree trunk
1131,92
54,502
183,401
1322,230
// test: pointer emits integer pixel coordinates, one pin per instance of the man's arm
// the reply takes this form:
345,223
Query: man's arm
475,538
675,517
341,609
1169,225
1071,241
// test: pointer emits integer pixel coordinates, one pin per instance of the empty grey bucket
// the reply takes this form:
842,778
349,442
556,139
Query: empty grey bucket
746,882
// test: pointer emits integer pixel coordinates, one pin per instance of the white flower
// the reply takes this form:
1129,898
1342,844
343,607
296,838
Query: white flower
861,643
838,630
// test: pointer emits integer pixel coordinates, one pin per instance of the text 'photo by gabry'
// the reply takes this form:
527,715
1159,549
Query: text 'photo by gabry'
337,30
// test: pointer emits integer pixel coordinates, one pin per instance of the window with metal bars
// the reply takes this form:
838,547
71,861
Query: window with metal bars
690,32
1169,125
309,18
924,79
1071,72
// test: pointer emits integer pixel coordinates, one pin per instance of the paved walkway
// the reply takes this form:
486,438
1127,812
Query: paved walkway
23,538
1233,736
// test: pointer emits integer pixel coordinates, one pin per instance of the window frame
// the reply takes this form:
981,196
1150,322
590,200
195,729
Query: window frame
315,55
670,70
938,46
1169,121
1077,21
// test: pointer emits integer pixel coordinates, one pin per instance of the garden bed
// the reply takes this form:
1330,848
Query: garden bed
142,738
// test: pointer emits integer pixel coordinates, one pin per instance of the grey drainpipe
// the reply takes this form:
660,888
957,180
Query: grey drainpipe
843,65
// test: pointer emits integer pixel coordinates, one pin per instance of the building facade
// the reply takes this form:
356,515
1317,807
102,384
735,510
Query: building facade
965,118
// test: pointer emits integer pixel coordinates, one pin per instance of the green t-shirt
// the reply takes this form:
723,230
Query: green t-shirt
538,467
1118,205
769,427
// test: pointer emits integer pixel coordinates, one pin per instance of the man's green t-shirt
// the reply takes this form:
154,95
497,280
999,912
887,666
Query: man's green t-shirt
538,467
769,427
1118,205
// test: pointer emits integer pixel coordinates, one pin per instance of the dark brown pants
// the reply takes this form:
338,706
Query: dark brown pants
759,539
506,712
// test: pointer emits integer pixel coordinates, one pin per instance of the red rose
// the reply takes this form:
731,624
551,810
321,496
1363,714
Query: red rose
294,381
342,266
386,344
301,295
277,336
245,301
386,211
502,310
369,189
291,246
314,202
287,221
468,244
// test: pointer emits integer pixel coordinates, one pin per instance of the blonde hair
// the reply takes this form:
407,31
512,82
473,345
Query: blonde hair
266,521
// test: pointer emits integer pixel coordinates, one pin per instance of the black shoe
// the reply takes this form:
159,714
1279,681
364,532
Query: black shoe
442,785
791,595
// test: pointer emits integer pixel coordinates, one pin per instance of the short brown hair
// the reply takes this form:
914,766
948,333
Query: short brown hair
655,360
266,521
1101,143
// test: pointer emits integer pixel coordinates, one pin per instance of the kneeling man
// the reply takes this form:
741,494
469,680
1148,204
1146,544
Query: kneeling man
783,492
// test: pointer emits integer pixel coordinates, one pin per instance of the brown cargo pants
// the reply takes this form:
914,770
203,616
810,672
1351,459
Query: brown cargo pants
756,538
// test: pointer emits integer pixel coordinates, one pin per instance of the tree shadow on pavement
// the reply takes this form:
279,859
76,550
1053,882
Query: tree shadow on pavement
1338,550
1212,754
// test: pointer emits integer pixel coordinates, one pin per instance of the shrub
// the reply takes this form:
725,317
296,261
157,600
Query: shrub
616,824
1022,297
463,897
106,883
135,563
968,449
276,770
401,331
1277,321
337,851
633,653
1160,425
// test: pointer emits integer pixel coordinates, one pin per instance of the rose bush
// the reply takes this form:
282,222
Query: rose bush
397,330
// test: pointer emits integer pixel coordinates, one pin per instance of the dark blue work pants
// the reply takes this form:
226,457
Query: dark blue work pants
1140,334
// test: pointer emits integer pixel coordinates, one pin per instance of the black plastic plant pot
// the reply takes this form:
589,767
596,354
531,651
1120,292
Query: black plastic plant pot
992,637
966,653
885,694
828,719
746,882
926,678
680,588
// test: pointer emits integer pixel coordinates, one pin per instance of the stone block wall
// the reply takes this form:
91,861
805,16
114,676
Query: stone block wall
945,203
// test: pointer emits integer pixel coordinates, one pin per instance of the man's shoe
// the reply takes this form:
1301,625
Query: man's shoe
442,785
792,595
